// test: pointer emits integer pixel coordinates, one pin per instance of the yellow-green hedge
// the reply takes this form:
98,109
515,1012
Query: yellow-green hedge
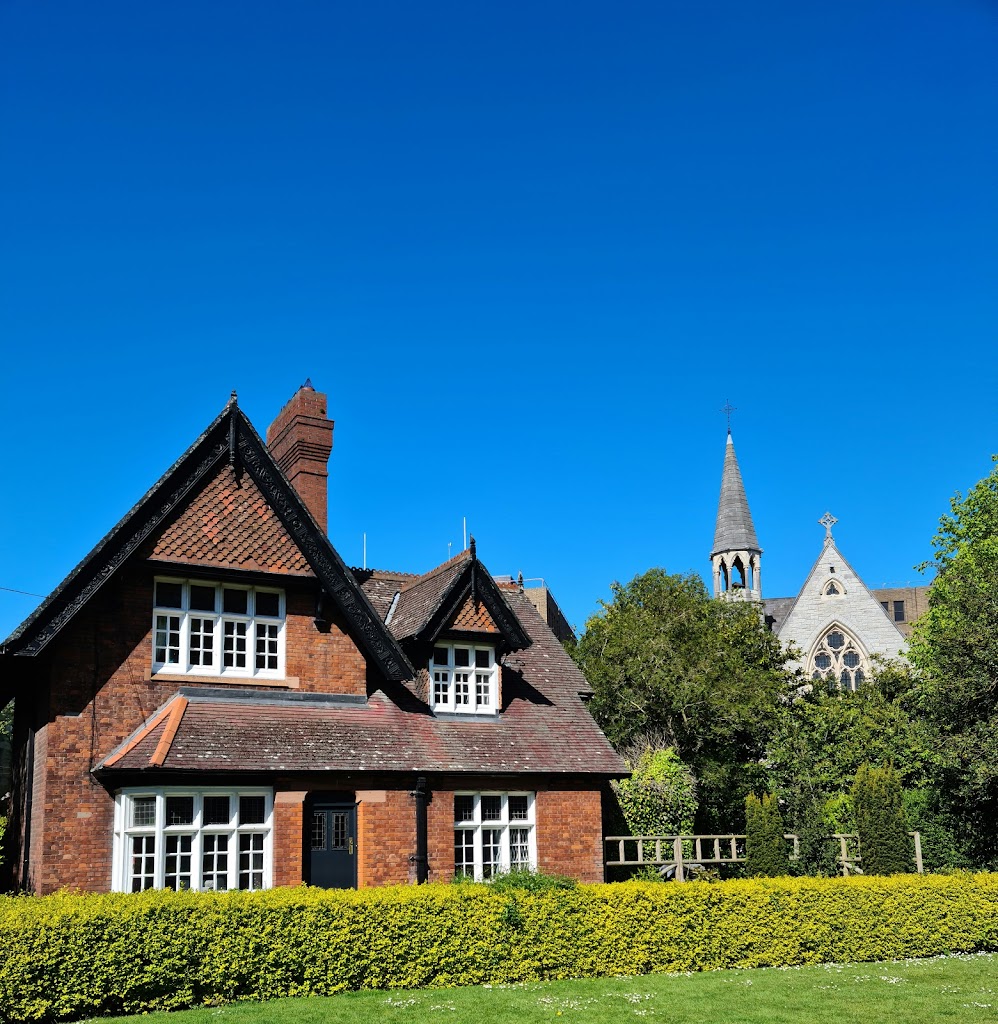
75,955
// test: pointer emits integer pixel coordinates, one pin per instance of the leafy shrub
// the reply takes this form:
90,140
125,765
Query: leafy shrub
660,796
880,821
765,848
817,856
70,956
941,850
530,881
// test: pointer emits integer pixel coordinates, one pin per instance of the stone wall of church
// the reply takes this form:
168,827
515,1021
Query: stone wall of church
854,608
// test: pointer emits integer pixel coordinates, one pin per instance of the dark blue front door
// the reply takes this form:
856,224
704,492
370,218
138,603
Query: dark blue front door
333,862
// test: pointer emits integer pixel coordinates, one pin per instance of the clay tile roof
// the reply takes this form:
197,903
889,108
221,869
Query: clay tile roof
544,727
423,596
381,586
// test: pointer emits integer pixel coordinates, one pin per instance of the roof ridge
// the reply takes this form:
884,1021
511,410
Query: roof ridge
383,572
450,563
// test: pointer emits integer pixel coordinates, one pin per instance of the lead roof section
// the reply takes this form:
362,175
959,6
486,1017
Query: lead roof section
544,726
229,437
734,530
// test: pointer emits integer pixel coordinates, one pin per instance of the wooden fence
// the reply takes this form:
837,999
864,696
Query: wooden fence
682,851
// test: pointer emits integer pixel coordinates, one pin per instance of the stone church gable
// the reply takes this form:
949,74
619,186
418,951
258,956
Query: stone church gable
834,600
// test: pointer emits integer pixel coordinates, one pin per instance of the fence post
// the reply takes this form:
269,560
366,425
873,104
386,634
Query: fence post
918,851
677,853
845,856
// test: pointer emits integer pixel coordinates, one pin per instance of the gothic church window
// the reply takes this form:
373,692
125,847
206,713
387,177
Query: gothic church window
838,658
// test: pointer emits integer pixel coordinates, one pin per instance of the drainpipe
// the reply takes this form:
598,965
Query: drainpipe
29,785
420,858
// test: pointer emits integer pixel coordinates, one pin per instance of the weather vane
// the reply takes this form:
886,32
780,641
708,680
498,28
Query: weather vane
728,410
827,521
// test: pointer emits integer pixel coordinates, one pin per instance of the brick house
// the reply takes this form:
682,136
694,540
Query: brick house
212,699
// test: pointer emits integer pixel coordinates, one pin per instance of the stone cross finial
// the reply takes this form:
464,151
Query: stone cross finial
827,521
728,409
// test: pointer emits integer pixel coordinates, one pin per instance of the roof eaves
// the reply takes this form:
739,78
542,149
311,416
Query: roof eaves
229,435
97,567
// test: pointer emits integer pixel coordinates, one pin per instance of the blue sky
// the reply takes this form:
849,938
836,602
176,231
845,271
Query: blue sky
528,250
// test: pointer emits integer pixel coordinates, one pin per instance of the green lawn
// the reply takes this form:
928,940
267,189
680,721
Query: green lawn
959,988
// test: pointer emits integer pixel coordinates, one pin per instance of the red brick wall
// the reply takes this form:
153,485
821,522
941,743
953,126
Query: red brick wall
288,838
569,828
386,835
323,662
570,833
102,691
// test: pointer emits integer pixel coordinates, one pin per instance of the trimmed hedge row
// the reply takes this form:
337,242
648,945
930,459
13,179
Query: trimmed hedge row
74,955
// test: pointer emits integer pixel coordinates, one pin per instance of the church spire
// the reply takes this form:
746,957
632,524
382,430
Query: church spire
736,553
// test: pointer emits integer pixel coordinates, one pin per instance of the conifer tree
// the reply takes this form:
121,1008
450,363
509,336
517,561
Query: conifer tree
880,821
765,847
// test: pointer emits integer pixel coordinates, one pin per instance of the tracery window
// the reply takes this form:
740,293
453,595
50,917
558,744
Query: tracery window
838,659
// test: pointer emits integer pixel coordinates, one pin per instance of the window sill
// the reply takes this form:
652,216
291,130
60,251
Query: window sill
288,683
465,716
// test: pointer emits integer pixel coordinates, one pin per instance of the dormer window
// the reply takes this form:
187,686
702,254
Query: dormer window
217,629
464,679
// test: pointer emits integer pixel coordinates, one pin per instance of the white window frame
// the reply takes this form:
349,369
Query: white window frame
159,831
185,628
476,826
446,681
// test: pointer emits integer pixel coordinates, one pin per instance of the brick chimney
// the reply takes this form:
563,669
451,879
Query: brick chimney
300,439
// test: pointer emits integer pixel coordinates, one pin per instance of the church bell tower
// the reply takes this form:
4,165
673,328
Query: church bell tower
736,554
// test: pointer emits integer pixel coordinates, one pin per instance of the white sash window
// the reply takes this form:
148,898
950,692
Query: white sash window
493,833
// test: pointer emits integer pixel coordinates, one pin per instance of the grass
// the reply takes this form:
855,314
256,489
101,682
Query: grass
961,988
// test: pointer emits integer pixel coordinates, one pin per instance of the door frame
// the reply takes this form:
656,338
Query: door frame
329,800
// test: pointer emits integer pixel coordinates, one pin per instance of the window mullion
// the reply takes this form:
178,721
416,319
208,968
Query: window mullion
159,842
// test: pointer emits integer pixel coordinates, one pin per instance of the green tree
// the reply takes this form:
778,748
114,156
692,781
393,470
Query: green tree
880,821
660,797
821,738
955,645
818,852
765,847
663,657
